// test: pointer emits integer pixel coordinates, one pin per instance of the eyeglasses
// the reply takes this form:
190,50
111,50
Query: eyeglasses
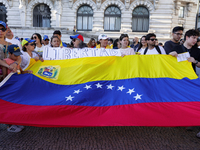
3,29
179,34
154,39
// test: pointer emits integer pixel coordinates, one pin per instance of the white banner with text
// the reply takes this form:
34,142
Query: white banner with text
51,53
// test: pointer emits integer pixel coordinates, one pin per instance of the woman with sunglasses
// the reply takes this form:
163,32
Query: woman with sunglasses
38,41
125,49
3,44
28,47
3,49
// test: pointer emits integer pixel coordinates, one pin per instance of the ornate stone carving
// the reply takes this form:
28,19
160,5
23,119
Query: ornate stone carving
181,22
22,10
189,8
156,3
127,4
58,7
98,4
116,2
177,7
145,3
70,3
88,2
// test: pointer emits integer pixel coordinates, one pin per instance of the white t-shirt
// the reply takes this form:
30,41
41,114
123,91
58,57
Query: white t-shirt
39,50
152,51
26,59
14,41
141,51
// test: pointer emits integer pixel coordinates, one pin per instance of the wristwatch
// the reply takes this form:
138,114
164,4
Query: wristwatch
196,62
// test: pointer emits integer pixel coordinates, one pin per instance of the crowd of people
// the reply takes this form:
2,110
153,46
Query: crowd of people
15,53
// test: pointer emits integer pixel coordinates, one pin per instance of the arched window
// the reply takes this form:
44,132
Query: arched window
84,18
112,19
140,22
3,12
41,16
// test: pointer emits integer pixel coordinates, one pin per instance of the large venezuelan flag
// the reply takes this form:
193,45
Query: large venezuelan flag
148,90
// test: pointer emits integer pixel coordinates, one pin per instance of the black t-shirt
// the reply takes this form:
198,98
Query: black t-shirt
194,52
169,45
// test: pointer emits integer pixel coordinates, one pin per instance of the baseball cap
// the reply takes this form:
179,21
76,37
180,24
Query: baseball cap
78,36
45,37
14,49
3,24
27,40
102,37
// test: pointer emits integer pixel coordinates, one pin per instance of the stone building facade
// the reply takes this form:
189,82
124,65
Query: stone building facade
95,18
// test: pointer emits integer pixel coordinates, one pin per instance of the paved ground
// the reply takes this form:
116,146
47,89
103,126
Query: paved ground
100,138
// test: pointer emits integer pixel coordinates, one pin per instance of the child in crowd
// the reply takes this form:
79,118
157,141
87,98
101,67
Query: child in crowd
55,41
125,49
14,54
28,47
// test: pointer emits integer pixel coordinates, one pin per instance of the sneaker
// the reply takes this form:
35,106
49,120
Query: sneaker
21,127
14,128
198,135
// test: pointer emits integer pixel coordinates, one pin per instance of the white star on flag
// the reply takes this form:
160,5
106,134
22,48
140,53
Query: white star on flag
88,87
121,88
99,85
130,91
137,97
77,91
69,98
110,86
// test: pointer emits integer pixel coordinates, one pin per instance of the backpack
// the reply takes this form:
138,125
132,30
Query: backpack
157,48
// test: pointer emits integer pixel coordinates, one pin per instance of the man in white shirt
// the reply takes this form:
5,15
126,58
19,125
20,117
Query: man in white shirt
10,38
151,47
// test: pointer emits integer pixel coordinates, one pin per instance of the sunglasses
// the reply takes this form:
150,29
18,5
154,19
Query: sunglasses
35,37
154,39
3,29
32,44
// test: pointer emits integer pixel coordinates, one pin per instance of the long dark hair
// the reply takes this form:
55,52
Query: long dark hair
115,43
39,37
24,48
90,42
123,36
140,43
